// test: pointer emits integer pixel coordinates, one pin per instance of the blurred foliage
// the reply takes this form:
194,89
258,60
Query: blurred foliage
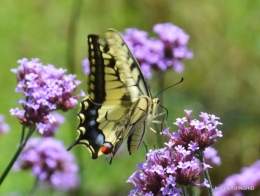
222,78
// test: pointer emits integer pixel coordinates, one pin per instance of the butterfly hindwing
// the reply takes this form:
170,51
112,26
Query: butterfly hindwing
119,104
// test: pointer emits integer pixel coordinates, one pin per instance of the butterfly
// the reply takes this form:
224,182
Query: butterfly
119,103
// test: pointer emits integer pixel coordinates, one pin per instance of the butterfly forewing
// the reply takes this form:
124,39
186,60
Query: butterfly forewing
129,64
119,103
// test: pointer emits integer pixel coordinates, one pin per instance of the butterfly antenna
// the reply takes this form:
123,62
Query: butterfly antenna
170,87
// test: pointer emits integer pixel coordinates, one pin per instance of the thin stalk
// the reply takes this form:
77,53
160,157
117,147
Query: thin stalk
74,18
206,173
23,129
17,153
184,191
75,13
22,135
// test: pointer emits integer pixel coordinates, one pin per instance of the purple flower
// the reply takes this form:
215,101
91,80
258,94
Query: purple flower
202,133
46,89
164,171
171,34
50,162
135,36
159,54
4,127
247,180
211,157
50,128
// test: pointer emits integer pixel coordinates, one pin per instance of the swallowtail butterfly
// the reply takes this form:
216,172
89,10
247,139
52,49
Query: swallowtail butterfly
119,104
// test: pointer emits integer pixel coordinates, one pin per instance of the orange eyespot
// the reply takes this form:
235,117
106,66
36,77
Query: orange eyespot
106,149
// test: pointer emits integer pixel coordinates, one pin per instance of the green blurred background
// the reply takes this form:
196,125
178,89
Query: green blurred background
223,77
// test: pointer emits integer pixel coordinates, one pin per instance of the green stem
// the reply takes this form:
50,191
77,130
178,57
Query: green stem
75,13
31,130
22,135
17,153
184,191
71,49
23,129
10,165
206,173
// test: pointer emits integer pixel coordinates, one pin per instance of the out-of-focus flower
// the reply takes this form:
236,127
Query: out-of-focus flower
242,183
86,66
4,127
46,89
159,54
50,162
211,157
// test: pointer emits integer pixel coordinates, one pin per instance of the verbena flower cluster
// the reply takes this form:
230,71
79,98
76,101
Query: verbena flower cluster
4,127
247,180
201,133
156,54
176,165
46,89
50,162
159,54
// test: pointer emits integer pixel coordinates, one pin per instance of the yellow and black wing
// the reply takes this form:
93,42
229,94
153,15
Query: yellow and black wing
119,103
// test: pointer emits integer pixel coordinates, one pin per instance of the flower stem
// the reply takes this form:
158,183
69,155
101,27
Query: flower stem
184,191
73,23
17,153
72,31
22,135
206,173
